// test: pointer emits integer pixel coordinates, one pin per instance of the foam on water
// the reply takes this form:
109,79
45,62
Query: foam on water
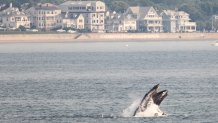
129,111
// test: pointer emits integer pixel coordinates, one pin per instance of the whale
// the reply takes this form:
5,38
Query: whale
150,103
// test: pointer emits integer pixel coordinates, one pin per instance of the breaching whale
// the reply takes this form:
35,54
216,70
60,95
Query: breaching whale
149,106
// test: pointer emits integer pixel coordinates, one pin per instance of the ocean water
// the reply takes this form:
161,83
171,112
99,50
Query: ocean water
94,82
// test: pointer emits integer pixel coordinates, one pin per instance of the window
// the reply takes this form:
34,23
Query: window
70,8
17,18
80,20
76,8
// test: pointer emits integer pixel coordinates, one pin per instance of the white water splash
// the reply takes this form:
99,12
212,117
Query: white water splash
152,110
128,112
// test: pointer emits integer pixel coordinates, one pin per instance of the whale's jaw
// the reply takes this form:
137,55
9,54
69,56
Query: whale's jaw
149,105
159,97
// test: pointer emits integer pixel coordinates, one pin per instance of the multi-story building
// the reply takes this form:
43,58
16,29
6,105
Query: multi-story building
75,21
45,16
92,11
116,22
148,20
128,23
113,22
169,21
177,21
13,18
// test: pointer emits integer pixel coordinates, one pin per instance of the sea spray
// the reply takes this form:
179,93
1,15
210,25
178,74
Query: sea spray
129,111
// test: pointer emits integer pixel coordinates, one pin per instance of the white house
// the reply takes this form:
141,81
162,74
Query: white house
45,16
92,11
13,18
177,21
75,21
148,20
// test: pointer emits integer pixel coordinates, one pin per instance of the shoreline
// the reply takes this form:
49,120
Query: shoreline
107,37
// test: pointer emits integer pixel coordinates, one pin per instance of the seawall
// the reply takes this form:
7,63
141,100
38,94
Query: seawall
107,36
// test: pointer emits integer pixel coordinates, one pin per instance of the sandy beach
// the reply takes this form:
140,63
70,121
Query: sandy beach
106,37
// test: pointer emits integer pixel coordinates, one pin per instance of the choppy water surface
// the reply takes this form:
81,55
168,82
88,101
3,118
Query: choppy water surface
94,82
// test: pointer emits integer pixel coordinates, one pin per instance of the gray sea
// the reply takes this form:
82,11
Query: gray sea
94,82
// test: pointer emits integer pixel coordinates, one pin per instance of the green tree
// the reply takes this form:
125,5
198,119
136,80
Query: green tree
119,6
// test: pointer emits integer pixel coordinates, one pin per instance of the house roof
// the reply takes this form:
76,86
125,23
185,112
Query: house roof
140,12
47,6
70,15
9,10
12,11
174,12
14,14
79,2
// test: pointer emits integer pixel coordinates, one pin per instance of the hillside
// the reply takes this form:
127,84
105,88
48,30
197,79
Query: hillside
199,10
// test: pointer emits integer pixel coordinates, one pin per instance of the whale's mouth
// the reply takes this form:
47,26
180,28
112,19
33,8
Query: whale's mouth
159,97
150,103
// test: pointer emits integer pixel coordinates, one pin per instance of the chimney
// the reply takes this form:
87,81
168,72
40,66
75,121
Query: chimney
11,5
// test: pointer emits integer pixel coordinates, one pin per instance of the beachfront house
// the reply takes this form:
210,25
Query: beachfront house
12,18
169,21
75,21
116,22
128,23
177,21
112,21
92,11
45,16
147,18
215,23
